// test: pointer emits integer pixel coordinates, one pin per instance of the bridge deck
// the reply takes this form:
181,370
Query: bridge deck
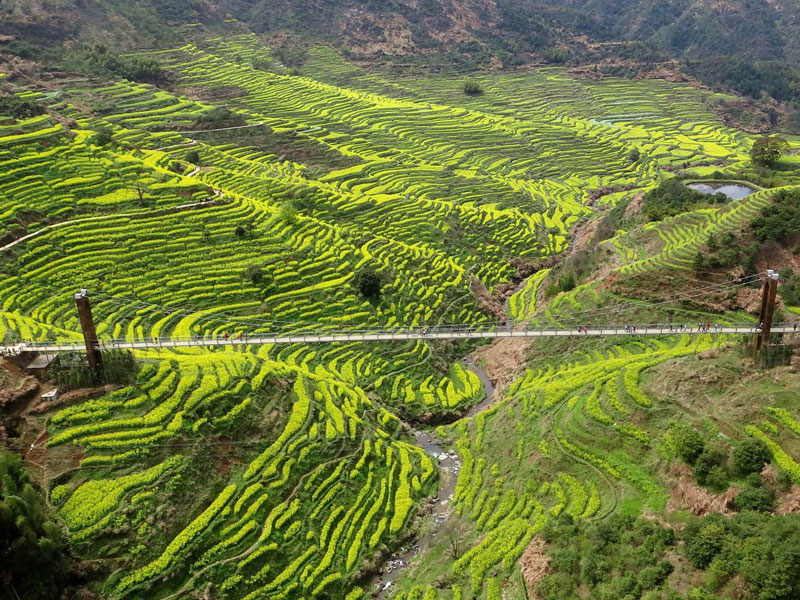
385,336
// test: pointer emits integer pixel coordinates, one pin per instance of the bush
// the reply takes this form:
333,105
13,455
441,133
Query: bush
217,115
20,108
473,88
750,456
192,156
790,287
254,273
288,213
651,577
672,198
700,594
689,444
99,60
103,137
707,468
754,498
780,220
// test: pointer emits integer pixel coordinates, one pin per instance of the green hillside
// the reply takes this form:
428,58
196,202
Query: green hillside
241,194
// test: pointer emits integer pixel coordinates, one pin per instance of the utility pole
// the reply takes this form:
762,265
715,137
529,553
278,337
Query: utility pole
768,293
88,329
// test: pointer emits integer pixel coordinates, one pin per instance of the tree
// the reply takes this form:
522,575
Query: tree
192,156
672,197
705,544
368,283
634,155
768,150
455,534
34,561
699,262
655,575
780,220
750,456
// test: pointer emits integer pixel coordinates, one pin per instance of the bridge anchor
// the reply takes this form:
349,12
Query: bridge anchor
89,331
768,294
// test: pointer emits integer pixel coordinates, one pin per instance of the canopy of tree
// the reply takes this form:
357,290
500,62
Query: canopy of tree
780,220
624,558
98,59
33,561
368,283
672,197
767,151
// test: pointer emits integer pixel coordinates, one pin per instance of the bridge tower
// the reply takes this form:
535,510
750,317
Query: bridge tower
89,331
768,293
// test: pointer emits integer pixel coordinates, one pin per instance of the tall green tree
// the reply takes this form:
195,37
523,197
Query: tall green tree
768,150
34,563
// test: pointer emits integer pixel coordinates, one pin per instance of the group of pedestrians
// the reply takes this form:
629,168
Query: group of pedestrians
630,328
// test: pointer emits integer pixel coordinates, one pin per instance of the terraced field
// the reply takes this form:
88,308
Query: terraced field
291,472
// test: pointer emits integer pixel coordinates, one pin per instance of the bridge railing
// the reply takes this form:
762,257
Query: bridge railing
400,333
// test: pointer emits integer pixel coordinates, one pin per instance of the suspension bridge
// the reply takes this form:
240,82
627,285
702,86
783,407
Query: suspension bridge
93,345
394,335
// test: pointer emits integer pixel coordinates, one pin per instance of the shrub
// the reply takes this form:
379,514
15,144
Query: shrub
651,577
754,498
689,444
254,273
750,456
708,465
217,115
102,137
671,198
700,594
192,156
20,108
288,213
781,219
473,88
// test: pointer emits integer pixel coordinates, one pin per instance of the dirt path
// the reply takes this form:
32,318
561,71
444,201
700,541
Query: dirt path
503,361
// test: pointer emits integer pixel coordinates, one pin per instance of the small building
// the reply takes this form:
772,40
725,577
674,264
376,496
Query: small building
39,365
51,395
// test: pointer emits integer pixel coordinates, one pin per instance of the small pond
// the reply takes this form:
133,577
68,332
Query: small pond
731,190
